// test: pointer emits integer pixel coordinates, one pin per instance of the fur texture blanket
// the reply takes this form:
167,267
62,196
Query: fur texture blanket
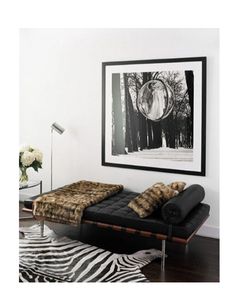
66,204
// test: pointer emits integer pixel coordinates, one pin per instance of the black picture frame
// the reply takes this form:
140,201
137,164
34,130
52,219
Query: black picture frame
192,139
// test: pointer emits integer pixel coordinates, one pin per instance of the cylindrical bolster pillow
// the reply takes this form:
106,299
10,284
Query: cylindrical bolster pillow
176,209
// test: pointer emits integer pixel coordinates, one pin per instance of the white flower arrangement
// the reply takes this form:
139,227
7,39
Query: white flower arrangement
29,157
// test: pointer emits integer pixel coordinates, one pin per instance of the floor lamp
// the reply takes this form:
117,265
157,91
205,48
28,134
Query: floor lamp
59,129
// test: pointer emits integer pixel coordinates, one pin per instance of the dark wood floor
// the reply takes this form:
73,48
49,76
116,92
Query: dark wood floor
196,262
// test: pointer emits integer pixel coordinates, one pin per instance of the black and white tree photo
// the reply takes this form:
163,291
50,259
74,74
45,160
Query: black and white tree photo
152,115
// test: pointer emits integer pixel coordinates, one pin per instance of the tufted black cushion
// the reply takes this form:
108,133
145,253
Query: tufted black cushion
115,211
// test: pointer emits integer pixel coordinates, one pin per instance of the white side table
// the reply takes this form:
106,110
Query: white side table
32,184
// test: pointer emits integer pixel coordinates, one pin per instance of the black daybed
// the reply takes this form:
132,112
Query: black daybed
178,220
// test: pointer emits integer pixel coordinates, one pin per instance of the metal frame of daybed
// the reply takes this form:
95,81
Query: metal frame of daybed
148,234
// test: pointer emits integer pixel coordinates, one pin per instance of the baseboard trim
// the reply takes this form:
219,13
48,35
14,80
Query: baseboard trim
209,231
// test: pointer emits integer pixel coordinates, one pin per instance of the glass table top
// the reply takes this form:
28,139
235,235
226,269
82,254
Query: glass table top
29,184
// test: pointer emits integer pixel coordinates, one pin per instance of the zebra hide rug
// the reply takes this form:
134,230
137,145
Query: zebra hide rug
60,259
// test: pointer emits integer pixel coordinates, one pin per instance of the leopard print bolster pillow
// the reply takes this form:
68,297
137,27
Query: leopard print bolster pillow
177,185
145,203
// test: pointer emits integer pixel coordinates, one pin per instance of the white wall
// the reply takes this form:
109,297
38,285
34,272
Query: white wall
60,80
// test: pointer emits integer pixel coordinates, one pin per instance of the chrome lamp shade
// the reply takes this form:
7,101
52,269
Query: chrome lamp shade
59,129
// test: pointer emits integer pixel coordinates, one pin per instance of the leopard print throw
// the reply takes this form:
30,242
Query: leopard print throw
66,204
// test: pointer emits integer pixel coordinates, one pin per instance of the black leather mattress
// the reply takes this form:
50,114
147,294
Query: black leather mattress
115,211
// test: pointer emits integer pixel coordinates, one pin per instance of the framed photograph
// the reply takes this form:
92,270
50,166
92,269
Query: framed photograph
154,115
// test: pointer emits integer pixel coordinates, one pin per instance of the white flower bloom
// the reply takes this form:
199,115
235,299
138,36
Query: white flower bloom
38,155
27,158
24,148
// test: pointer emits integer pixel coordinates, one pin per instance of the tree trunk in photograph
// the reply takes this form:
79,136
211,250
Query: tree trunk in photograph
190,85
169,125
137,113
131,131
166,131
118,144
173,131
133,124
142,131
157,134
149,134
188,134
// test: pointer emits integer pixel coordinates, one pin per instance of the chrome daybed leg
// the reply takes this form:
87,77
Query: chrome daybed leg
41,227
163,257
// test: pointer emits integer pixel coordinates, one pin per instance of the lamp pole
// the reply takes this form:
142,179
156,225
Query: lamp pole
59,129
51,154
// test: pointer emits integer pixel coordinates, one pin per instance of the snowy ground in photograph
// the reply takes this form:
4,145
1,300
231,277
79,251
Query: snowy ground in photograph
163,153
